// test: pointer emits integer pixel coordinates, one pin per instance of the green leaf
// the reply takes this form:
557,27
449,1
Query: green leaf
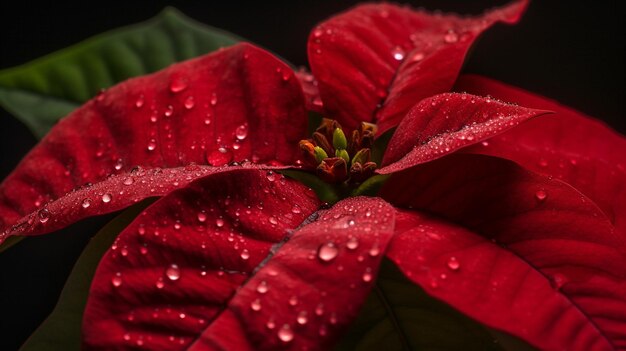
324,191
40,92
399,315
61,330
371,186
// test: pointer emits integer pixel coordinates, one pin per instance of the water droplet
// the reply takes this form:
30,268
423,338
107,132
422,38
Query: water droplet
202,216
117,279
245,254
323,330
453,263
319,310
367,276
86,203
397,53
106,198
302,318
296,209
271,176
352,243
241,132
219,157
263,287
272,220
541,195
128,181
44,215
139,102
169,111
270,324
255,305
190,102
118,164
151,145
159,283
418,56
285,334
173,272
374,251
219,222
293,300
213,100
327,252
178,85
451,37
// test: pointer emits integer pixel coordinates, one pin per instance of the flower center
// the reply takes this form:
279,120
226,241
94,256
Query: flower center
337,158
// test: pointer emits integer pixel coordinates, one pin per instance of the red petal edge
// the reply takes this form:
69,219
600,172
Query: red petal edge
193,272
554,231
442,124
374,62
228,106
568,145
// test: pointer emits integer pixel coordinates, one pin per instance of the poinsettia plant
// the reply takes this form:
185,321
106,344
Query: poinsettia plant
377,199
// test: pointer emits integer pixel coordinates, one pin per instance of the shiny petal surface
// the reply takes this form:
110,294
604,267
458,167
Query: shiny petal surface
374,62
442,124
555,229
218,266
568,145
171,272
228,106
489,283
316,283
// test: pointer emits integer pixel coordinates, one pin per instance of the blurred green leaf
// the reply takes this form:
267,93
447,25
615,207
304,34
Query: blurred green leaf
40,92
61,330
399,315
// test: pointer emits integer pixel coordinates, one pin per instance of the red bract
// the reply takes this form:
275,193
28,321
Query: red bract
512,214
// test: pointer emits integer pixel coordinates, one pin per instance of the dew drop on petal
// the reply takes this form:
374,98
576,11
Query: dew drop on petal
270,324
293,300
128,181
273,220
245,254
263,287
202,216
271,176
541,195
213,100
255,305
190,102
327,252
397,53
451,37
219,222
285,334
296,209
106,198
374,251
44,215
140,101
172,272
353,243
117,279
453,263
151,145
86,203
178,85
367,276
159,283
302,318
241,132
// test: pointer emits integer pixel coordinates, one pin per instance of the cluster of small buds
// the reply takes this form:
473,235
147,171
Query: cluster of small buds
337,159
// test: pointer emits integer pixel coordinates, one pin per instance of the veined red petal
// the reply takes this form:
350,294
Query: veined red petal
442,124
238,103
557,230
317,282
311,91
171,272
490,284
375,62
216,265
568,145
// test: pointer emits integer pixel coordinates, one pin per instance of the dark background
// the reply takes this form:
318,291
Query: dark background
567,50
